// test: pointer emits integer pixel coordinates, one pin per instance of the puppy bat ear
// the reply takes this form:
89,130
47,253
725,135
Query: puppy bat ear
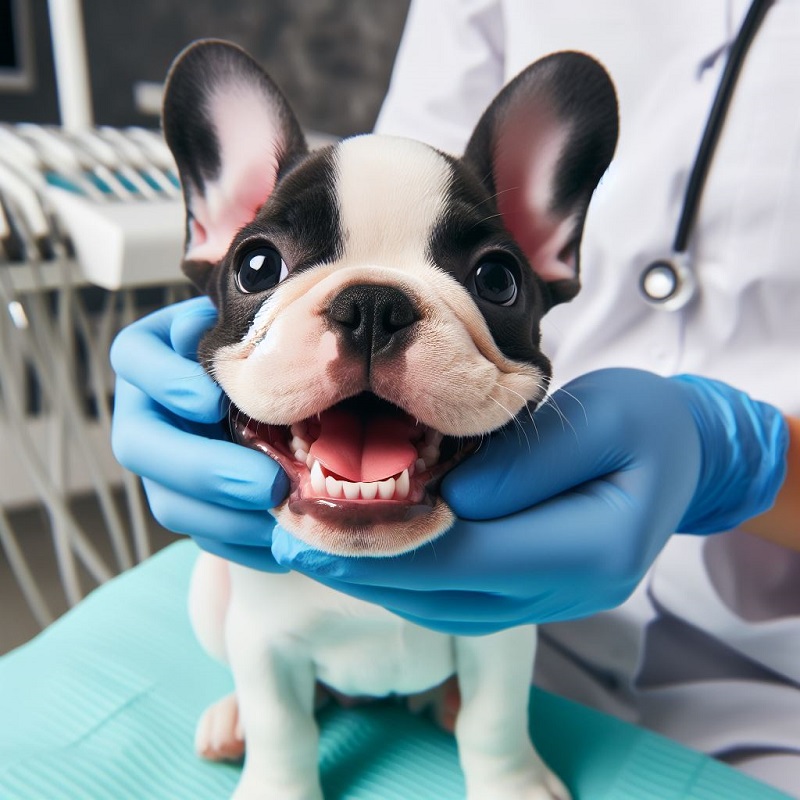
232,134
540,148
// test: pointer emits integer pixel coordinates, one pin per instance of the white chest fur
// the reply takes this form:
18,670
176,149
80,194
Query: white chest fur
355,647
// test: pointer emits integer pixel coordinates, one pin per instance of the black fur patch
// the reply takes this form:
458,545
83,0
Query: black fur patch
469,231
301,221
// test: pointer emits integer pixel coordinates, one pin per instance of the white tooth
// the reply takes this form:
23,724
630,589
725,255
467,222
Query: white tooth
433,437
420,465
301,456
350,490
299,444
403,485
430,454
299,429
333,486
317,478
310,461
386,489
369,491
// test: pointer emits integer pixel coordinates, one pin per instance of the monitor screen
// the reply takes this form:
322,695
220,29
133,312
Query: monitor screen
15,47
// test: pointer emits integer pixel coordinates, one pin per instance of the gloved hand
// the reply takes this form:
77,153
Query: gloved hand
562,514
168,427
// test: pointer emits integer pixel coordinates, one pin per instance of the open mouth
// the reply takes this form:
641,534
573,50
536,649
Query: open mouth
363,456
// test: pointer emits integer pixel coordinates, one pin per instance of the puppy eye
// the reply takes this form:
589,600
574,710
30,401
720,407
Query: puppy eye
260,269
496,281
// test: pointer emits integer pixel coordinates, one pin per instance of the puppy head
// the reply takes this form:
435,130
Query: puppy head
379,301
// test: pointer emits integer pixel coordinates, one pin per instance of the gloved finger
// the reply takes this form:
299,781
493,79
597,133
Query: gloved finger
191,321
253,557
143,355
559,612
567,538
480,615
197,518
554,607
455,627
570,440
147,440
445,606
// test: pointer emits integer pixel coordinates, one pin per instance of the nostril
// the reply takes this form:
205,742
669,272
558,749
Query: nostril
398,313
346,311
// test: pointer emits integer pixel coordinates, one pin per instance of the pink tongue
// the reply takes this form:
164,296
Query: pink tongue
364,450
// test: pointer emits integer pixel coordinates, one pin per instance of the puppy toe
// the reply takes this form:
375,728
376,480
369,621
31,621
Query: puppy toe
442,703
555,787
549,787
219,735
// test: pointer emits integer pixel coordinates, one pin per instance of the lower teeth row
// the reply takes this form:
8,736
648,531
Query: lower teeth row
390,489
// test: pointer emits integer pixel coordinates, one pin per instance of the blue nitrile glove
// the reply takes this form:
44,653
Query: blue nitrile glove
167,428
562,515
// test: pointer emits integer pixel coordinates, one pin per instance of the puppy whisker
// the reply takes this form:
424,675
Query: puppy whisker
196,376
577,400
514,392
486,219
517,423
562,416
527,407
494,196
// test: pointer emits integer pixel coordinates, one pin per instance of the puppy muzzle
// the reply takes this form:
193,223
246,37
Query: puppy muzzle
363,467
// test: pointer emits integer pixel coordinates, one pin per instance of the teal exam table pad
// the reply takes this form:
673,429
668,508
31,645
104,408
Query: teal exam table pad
103,704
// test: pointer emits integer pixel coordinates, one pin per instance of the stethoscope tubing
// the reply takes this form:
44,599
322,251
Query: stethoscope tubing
716,121
670,283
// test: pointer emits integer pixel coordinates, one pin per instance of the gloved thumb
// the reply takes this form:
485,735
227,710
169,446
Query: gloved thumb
189,325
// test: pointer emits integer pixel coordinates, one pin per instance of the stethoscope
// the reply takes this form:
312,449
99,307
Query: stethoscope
669,283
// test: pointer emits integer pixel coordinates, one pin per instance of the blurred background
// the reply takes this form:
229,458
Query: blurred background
332,58
81,210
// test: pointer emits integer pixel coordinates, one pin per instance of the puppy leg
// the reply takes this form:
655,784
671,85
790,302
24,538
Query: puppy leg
218,735
498,758
209,596
275,681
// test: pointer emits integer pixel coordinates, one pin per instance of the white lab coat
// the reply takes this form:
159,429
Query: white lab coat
707,650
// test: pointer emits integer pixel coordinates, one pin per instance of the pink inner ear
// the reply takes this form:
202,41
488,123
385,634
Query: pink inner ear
197,233
250,141
526,156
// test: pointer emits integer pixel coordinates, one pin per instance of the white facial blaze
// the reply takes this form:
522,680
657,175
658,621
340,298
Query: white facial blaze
392,192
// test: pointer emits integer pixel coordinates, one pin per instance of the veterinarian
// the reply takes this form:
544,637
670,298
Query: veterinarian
695,636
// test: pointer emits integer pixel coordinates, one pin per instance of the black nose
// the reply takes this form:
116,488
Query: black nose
372,319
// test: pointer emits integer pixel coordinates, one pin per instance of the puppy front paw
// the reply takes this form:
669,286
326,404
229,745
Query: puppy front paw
263,790
219,735
539,785
549,788
442,703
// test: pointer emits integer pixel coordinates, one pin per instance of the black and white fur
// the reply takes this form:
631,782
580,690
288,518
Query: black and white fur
411,283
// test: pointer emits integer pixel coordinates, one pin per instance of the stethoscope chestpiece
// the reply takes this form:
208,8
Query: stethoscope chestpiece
668,283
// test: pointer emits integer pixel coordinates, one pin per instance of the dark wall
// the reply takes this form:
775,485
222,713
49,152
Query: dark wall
332,58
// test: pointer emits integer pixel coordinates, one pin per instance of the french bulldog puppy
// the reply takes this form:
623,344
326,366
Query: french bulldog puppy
379,311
